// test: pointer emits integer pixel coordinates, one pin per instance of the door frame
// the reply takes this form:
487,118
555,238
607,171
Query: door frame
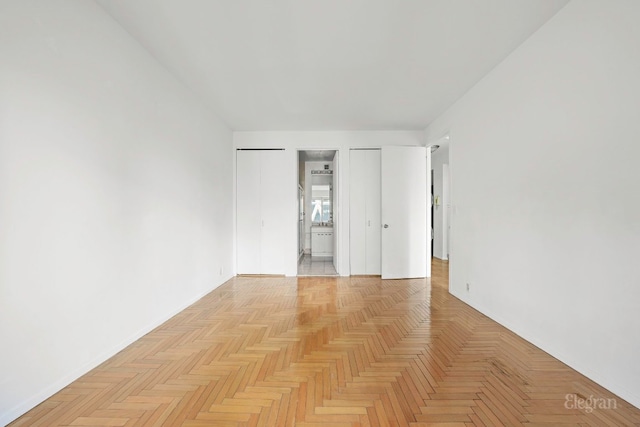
441,140
337,212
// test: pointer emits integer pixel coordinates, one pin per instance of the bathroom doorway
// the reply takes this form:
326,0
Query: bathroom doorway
317,226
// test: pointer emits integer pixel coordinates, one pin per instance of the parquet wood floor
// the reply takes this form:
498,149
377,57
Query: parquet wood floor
327,351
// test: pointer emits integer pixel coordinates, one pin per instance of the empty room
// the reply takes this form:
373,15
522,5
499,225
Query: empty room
319,213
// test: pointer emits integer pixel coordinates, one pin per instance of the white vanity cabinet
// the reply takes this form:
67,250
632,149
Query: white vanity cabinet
321,241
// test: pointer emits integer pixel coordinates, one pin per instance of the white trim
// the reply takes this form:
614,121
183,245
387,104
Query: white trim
597,377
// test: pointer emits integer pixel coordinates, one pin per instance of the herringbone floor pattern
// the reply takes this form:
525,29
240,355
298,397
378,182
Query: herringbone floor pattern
331,351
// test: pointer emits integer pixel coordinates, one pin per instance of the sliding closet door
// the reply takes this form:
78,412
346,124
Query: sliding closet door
273,186
364,212
261,182
357,211
248,216
373,224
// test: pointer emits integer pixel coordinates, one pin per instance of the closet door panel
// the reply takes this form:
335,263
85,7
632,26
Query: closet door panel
248,216
357,211
373,224
273,203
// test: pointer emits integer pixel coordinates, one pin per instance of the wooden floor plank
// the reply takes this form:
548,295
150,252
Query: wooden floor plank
323,351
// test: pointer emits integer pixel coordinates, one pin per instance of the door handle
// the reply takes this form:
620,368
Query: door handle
386,226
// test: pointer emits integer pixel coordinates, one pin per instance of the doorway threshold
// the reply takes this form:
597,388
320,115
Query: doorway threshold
316,266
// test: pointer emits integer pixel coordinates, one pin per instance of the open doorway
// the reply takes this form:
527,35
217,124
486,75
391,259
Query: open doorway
441,198
317,211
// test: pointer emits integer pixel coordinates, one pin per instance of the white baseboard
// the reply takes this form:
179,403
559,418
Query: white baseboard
58,385
596,376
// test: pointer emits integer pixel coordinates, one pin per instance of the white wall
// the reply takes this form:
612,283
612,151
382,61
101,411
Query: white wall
438,159
327,140
545,182
115,196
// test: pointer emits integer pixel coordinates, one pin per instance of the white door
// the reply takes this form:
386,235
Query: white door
358,211
261,208
273,206
248,212
364,211
373,212
404,212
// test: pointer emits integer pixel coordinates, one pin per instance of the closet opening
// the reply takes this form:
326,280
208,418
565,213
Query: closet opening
317,213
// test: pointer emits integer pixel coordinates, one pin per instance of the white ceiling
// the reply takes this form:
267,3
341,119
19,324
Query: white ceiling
330,64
